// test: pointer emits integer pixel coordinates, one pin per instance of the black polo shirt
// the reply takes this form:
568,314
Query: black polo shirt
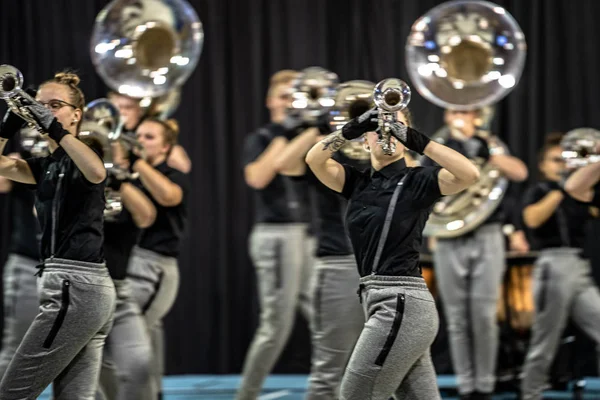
66,201
596,198
284,199
164,236
120,236
329,208
370,193
25,228
565,228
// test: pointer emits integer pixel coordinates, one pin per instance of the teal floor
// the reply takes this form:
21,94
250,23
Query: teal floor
292,387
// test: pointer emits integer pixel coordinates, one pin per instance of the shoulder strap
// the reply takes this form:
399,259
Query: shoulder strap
386,225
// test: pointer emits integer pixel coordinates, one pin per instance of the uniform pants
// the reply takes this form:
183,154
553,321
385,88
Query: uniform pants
336,324
562,288
282,258
64,343
154,281
128,350
21,302
392,355
469,273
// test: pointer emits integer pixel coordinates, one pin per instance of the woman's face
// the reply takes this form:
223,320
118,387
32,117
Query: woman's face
56,97
377,150
150,135
130,110
552,165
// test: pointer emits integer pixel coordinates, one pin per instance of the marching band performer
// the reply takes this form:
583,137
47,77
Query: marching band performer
153,271
469,268
278,241
388,207
77,296
20,283
563,286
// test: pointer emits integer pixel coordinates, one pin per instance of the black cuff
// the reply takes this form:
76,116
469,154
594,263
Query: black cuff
56,131
416,141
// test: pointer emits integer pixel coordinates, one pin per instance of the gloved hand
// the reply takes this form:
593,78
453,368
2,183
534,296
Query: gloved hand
356,127
133,158
477,146
114,182
46,120
410,138
292,125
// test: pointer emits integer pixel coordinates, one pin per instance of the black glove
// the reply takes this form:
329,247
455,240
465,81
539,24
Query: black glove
46,120
11,124
114,182
322,123
356,127
291,126
412,139
477,146
132,160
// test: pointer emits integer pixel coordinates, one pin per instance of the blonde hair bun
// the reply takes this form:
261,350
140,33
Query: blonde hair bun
67,78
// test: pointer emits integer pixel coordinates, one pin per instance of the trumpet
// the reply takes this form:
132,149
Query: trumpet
11,91
390,96
580,147
313,94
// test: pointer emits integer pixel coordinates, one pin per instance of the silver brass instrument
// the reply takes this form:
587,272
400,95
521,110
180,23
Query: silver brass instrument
313,93
581,147
390,96
11,91
101,120
466,55
144,48
353,98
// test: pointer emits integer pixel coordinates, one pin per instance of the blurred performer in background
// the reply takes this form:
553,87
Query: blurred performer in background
21,298
387,210
128,347
133,114
337,318
278,241
469,268
563,286
64,343
153,270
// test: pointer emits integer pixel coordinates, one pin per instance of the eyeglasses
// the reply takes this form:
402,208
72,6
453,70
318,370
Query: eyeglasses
55,104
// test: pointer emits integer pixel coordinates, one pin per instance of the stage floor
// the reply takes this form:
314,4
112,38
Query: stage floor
292,387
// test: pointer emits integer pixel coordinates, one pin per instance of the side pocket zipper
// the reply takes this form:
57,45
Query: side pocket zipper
387,347
61,315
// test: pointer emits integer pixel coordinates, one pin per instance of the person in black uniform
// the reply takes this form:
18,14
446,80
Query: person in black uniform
280,246
20,283
563,286
127,353
77,296
153,271
337,318
388,207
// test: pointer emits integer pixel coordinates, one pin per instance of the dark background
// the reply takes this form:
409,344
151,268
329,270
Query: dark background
246,41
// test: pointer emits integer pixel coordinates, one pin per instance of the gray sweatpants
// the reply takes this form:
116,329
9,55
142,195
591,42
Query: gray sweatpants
282,257
128,352
64,343
336,324
562,288
21,301
392,355
154,281
469,273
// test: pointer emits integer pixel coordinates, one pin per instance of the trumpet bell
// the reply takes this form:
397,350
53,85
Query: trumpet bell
391,95
313,93
144,48
11,80
581,147
465,54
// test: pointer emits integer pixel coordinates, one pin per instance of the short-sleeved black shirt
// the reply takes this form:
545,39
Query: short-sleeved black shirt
565,228
596,199
25,228
284,199
69,208
120,236
369,194
329,209
164,236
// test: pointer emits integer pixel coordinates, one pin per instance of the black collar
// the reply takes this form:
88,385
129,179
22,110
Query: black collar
392,169
58,153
